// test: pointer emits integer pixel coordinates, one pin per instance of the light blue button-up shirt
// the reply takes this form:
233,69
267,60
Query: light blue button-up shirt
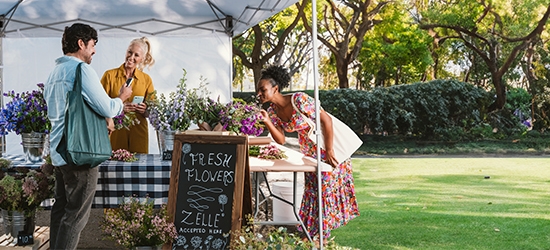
60,82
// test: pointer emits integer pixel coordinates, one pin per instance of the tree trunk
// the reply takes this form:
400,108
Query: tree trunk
342,72
500,90
257,71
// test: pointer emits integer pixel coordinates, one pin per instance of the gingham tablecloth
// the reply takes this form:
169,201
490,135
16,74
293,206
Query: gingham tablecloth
148,176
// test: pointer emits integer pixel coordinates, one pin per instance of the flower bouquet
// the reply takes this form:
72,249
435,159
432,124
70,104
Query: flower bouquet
23,189
125,120
203,110
193,105
267,152
241,118
136,223
168,113
123,155
26,112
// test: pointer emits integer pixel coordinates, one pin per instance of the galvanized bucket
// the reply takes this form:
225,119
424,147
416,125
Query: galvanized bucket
33,146
166,140
15,222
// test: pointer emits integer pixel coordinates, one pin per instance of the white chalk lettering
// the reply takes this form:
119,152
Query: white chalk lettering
187,220
190,173
211,159
192,230
226,161
223,176
207,220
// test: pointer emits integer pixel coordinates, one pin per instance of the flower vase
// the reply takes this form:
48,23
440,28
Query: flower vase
33,146
166,140
16,222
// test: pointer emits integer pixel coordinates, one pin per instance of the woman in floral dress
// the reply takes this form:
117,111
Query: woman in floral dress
338,196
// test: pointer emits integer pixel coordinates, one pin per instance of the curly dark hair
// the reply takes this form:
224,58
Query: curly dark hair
75,32
277,75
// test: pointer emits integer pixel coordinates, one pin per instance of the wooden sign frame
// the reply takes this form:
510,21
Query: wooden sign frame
240,178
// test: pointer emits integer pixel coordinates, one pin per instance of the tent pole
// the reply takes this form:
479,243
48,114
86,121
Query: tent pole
317,116
3,139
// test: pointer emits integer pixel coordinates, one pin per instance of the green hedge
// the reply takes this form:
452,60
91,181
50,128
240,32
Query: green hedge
439,109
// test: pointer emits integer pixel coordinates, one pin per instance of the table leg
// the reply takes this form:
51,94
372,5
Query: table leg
271,194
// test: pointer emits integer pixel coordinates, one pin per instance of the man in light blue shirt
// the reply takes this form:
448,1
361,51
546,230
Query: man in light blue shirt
75,185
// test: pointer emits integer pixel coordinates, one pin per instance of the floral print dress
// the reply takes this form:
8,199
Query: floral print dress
339,202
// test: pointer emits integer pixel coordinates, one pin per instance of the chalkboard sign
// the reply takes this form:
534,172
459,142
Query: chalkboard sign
24,239
206,189
167,155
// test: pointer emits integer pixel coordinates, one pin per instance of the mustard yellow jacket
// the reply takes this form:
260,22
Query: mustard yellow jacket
137,138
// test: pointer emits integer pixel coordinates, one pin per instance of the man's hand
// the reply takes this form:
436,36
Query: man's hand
125,92
110,125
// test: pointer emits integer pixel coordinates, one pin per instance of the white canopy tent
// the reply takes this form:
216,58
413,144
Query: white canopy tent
194,35
191,34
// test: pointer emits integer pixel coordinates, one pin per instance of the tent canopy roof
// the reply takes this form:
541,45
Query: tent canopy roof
46,18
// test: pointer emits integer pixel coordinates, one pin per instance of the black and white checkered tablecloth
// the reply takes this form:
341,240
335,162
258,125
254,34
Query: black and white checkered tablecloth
148,176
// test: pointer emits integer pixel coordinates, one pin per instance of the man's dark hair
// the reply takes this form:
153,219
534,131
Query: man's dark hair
75,32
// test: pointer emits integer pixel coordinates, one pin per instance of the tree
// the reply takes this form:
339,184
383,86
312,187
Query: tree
342,30
395,51
268,41
497,32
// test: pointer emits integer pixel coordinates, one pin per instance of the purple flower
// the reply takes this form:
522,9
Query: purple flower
125,120
241,118
26,112
168,113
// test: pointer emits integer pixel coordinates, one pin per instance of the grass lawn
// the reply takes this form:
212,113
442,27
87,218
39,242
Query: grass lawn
528,145
450,203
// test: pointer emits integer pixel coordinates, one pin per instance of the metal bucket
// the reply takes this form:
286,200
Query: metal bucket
15,223
166,140
33,146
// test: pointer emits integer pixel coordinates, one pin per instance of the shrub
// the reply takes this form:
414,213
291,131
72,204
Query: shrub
440,109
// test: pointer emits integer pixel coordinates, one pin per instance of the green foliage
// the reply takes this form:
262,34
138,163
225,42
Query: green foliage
23,189
343,104
485,142
135,222
4,164
447,110
261,45
275,239
518,98
505,123
436,109
394,51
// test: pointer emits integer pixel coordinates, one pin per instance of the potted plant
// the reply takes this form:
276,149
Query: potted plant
26,114
136,223
22,190
167,115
